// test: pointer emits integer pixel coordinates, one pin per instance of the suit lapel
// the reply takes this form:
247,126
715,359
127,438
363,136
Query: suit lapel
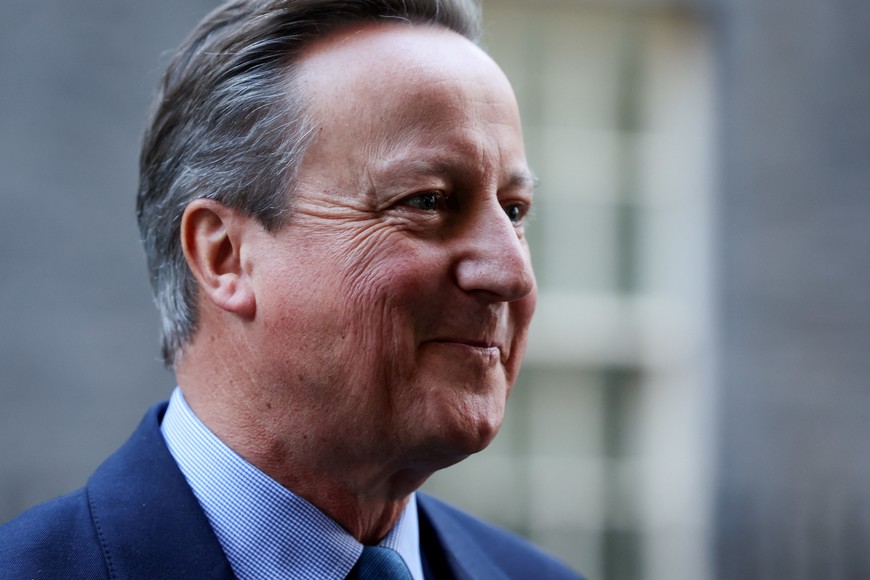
149,522
460,551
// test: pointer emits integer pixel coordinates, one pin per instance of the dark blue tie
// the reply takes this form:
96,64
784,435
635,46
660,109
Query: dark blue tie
378,563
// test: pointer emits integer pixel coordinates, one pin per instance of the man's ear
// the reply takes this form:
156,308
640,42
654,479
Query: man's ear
211,237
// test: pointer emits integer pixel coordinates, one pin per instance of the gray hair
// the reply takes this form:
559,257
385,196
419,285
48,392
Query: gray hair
230,124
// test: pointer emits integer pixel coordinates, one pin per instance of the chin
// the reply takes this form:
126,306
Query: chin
470,428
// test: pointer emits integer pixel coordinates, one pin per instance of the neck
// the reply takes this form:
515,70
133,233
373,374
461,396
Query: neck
364,487
366,501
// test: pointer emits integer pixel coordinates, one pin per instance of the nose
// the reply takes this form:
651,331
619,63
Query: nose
494,259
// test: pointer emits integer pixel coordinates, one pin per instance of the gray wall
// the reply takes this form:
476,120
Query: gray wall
78,332
794,283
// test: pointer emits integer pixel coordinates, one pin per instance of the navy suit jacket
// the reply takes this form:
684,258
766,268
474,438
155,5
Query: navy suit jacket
138,518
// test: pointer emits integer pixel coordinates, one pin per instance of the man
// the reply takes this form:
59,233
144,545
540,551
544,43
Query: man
332,201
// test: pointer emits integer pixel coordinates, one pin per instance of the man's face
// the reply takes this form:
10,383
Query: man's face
395,304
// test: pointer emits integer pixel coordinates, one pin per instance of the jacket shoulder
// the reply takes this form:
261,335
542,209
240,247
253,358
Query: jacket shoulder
54,539
469,540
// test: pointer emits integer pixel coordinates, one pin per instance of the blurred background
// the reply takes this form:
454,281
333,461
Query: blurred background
695,400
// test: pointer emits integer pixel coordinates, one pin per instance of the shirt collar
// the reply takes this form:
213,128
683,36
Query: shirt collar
265,529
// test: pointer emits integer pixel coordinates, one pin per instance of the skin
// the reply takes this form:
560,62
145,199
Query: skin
374,339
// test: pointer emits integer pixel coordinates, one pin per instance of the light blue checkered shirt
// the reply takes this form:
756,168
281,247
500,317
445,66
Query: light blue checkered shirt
266,530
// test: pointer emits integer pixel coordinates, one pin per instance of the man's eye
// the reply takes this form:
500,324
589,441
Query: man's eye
515,212
429,201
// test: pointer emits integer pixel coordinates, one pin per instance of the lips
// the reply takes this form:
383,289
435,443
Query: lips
482,333
474,346
471,342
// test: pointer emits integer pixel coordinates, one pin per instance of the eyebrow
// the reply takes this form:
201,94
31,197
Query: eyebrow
522,178
415,167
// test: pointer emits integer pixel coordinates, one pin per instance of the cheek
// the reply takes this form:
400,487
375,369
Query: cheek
392,287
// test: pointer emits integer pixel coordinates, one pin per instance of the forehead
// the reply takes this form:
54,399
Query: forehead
387,86
367,54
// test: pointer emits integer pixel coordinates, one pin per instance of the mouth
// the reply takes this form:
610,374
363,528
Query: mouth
490,351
